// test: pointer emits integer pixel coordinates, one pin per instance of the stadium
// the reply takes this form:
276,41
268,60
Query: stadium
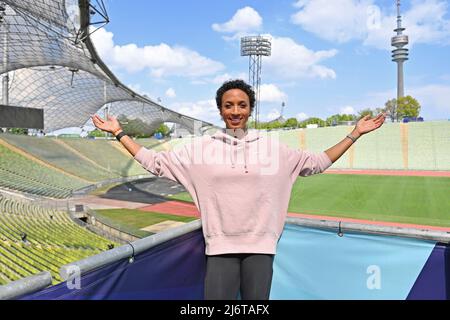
81,220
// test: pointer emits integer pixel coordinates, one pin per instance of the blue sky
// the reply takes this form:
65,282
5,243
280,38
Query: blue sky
328,57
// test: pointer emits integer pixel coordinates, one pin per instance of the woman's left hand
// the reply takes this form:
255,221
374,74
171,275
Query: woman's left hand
367,124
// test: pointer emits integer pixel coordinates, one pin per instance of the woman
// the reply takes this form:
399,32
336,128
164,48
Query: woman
240,181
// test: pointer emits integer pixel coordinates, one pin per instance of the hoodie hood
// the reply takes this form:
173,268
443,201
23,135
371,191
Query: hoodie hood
237,138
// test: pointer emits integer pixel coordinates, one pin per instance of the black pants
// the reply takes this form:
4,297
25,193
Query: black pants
227,273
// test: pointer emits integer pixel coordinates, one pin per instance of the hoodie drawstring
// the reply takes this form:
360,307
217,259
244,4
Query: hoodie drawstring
233,155
245,156
234,148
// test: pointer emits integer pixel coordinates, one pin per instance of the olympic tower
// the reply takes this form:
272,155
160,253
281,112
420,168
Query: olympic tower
399,54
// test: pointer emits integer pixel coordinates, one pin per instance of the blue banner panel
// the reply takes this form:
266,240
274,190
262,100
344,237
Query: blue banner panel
174,270
318,264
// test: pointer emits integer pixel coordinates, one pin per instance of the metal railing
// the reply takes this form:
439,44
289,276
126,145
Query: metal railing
25,286
126,251
341,227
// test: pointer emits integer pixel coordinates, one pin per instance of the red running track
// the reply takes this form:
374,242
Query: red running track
414,173
178,208
371,222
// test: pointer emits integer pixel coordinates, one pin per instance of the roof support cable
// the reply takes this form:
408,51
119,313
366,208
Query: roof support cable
100,10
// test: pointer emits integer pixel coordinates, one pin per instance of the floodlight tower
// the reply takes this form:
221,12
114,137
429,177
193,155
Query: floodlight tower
400,54
255,47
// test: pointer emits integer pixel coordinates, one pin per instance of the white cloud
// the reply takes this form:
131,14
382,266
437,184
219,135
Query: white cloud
273,114
271,93
244,20
171,93
220,79
138,89
161,60
205,110
347,110
434,99
103,41
302,116
348,20
337,20
424,23
225,77
292,60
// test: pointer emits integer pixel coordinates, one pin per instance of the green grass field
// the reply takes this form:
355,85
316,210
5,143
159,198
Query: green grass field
133,220
417,200
183,196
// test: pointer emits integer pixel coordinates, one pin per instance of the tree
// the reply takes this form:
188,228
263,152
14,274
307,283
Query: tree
312,120
163,129
335,119
18,130
134,127
96,133
290,123
379,110
365,112
408,107
274,125
390,107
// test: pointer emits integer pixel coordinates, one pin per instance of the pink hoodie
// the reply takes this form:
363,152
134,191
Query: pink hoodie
241,184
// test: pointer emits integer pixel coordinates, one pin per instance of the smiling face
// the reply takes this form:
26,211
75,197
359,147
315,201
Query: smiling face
235,109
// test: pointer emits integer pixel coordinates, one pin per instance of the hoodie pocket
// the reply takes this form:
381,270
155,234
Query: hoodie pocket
233,216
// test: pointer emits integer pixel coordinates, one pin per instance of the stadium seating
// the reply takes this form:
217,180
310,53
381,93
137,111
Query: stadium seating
396,146
35,239
153,143
381,149
19,173
429,145
106,156
57,155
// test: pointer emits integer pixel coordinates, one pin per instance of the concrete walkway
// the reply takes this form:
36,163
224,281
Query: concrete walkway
95,202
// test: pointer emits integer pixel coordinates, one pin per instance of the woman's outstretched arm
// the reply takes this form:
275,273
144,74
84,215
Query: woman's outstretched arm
365,125
172,164
112,125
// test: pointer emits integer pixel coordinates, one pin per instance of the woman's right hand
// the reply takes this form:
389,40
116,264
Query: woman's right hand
111,125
